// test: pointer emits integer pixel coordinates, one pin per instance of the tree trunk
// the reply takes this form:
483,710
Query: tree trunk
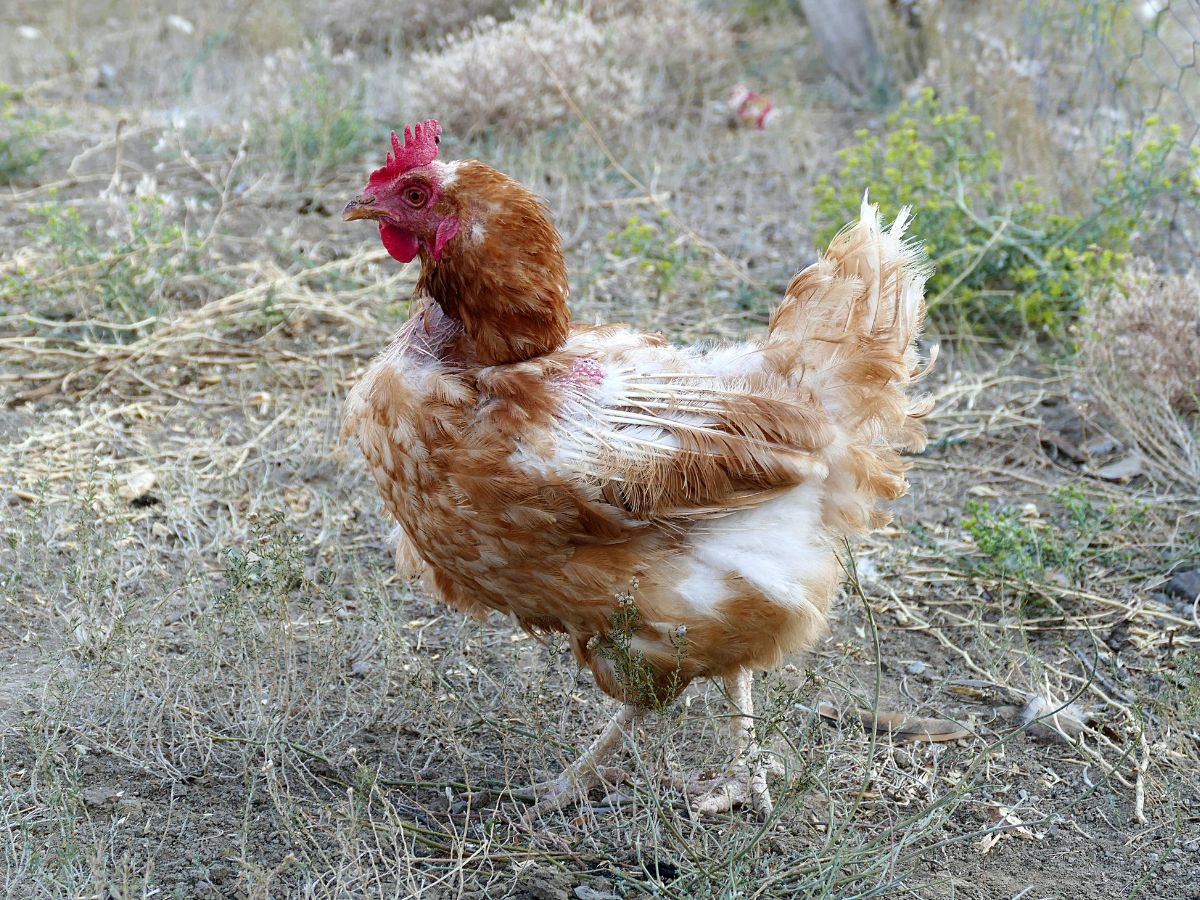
843,32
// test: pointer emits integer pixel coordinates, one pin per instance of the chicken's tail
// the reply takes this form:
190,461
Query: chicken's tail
846,330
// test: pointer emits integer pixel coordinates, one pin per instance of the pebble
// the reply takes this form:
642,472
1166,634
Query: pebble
583,892
106,75
1184,587
1102,447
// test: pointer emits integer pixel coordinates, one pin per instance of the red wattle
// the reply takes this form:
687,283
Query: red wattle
400,244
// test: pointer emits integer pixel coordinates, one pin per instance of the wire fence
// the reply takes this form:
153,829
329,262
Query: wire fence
1067,82
1128,72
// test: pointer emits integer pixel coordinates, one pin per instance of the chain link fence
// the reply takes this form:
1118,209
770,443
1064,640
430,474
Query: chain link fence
1104,78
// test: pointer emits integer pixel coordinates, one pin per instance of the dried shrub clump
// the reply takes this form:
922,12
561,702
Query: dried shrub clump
615,64
1142,348
399,23
1150,330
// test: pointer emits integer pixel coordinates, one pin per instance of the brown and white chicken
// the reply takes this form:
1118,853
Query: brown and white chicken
673,511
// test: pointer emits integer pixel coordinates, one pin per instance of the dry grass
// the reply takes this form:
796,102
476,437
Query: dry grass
536,71
397,26
1150,329
214,685
1142,346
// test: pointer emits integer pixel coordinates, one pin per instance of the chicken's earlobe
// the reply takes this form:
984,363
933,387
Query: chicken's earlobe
446,231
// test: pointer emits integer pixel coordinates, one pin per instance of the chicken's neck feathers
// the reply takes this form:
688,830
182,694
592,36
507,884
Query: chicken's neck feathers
503,275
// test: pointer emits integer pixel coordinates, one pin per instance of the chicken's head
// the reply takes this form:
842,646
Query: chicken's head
407,196
490,255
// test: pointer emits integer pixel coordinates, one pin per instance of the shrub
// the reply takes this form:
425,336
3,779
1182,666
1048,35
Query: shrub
1148,327
1004,259
391,23
105,278
614,64
325,126
1141,348
19,132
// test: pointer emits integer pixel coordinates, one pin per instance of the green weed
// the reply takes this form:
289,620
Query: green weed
1005,259
269,572
325,127
662,257
1029,548
20,131
645,685
1179,698
110,284
1008,544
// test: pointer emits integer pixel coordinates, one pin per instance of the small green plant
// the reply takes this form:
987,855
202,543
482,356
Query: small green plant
1003,258
1180,696
122,276
643,681
19,134
661,256
268,571
325,127
1138,169
1011,545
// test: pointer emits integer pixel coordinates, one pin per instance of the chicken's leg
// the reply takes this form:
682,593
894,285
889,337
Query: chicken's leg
586,771
746,779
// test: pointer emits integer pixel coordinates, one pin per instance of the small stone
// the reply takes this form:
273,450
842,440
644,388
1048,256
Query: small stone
180,24
1123,469
100,797
1102,447
106,75
583,892
1184,586
915,667
137,484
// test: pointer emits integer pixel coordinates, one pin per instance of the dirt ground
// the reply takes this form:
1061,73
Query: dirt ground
212,683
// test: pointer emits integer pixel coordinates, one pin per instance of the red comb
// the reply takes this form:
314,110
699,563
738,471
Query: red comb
419,148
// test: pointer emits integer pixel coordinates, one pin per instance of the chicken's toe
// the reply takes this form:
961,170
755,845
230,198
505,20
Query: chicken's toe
567,789
740,785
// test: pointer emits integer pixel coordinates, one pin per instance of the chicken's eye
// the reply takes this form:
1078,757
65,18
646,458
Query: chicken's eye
414,197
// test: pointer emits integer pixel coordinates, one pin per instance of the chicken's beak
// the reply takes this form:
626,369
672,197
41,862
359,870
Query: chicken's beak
361,208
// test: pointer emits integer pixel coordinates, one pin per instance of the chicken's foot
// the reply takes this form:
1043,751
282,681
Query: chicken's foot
586,772
745,779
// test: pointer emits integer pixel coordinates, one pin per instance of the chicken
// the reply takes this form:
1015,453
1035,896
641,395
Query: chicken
672,511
